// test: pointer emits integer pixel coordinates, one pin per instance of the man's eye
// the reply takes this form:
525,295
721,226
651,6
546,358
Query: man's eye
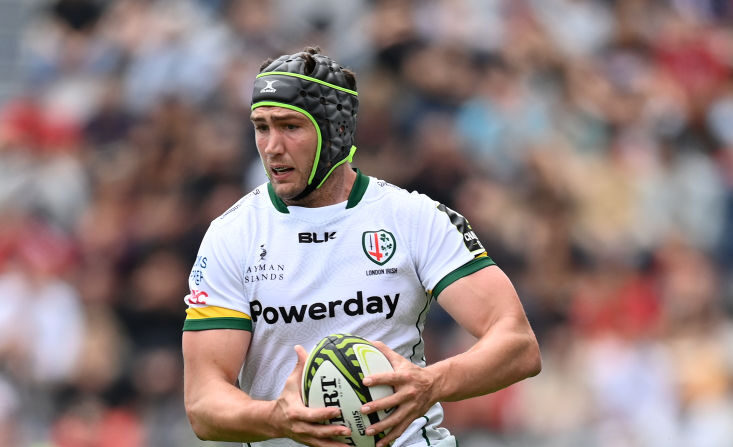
260,128
292,126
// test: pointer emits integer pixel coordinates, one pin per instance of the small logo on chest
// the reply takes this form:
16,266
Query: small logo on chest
263,252
379,246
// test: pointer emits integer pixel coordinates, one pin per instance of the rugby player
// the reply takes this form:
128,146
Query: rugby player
324,248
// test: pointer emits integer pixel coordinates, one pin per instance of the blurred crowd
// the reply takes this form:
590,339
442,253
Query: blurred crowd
589,143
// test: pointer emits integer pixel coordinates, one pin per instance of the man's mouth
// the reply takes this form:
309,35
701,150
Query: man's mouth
280,170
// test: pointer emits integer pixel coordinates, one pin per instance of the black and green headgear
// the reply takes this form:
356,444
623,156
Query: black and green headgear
323,96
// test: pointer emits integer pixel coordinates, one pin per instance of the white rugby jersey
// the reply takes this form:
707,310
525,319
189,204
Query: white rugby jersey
370,266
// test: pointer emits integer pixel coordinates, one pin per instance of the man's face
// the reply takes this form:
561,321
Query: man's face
287,142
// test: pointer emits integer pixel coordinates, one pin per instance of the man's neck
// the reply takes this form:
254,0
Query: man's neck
335,189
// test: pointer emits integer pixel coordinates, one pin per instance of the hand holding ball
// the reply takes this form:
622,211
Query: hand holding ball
332,376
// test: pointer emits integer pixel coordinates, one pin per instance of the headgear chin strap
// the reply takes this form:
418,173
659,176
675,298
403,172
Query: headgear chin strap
323,97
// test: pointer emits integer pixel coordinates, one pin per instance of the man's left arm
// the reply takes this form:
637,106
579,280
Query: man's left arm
486,304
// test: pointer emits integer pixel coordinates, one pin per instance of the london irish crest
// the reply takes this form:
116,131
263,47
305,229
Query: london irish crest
379,246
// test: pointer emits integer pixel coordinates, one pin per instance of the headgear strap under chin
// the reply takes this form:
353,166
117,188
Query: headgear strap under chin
323,97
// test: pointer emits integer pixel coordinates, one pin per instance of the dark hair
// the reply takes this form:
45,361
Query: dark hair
310,65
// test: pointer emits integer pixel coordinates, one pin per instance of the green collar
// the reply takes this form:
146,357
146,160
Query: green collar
355,196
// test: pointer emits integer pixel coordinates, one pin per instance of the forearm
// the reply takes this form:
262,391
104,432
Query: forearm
504,355
223,412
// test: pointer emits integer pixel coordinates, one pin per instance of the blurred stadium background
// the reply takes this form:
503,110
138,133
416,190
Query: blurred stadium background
590,144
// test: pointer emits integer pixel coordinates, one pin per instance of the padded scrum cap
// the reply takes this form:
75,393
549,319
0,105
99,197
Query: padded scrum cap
323,96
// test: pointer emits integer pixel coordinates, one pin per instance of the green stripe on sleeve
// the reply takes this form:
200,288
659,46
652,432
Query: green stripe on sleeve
218,323
466,269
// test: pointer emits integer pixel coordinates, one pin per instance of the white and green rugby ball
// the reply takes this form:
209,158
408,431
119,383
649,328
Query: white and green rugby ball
332,376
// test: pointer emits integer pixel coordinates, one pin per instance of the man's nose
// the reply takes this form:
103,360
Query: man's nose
274,143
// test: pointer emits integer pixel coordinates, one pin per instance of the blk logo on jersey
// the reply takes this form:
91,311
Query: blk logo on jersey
316,238
379,246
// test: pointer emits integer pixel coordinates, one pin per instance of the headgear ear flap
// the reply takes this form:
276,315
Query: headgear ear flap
323,97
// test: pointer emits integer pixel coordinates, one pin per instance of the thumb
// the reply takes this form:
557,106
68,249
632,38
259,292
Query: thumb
297,375
302,357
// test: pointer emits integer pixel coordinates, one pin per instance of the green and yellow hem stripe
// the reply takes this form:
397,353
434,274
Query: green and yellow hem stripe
214,317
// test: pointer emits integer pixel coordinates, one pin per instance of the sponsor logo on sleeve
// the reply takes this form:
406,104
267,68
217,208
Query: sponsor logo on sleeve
197,297
470,239
197,272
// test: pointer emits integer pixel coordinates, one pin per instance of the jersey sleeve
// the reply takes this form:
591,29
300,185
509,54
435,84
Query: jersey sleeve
446,247
216,299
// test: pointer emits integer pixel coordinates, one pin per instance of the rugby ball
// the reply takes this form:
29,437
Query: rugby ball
332,376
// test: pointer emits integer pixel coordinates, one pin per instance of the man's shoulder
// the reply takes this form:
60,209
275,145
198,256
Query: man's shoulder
384,190
249,203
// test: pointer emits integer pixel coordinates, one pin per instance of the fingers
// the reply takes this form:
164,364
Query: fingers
309,418
384,404
393,425
392,356
393,434
390,422
320,442
320,431
386,378
412,386
396,422
318,415
309,426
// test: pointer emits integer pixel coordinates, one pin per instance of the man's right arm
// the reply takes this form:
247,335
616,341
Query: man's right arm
218,410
